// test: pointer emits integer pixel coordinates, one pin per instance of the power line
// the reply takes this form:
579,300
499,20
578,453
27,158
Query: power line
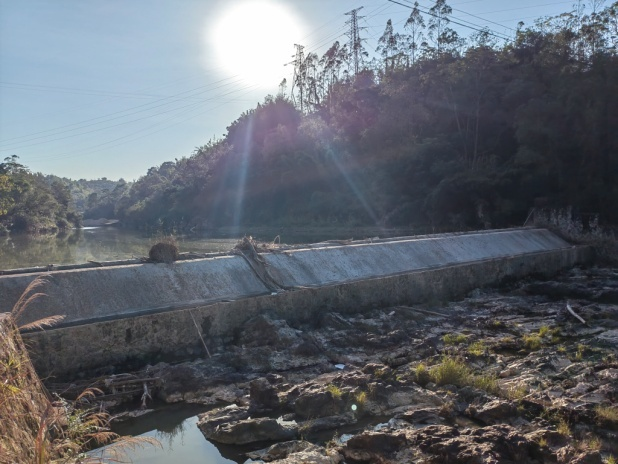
474,27
149,107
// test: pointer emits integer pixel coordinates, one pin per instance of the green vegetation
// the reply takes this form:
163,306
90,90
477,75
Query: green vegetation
32,429
543,331
478,348
563,428
454,371
607,414
335,391
33,203
517,392
422,375
454,339
361,399
532,342
451,371
447,134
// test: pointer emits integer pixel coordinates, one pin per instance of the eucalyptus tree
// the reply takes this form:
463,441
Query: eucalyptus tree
416,25
390,48
439,31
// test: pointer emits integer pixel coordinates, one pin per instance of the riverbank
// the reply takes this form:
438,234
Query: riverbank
509,375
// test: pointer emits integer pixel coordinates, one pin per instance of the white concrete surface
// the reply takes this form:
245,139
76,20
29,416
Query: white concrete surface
90,294
346,263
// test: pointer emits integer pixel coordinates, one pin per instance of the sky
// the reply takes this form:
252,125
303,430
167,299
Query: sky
110,88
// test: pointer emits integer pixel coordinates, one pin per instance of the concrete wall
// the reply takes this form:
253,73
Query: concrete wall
130,343
87,295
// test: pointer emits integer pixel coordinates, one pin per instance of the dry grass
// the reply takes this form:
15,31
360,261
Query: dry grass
164,251
35,429
607,414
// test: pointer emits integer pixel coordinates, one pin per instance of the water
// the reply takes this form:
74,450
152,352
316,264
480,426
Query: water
175,427
112,243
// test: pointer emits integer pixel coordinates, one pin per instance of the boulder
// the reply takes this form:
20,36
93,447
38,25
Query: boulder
247,431
263,395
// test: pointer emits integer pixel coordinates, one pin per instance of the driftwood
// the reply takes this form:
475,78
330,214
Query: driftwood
570,310
426,311
199,332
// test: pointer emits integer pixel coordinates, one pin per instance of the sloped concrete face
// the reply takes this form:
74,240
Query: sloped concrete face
87,295
92,294
322,266
127,344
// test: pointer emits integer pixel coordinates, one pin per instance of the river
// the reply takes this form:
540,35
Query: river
112,243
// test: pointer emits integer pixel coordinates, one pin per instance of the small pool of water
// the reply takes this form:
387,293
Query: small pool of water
182,442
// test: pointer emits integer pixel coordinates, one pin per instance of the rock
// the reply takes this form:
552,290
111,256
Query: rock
326,423
494,412
569,455
487,445
430,416
406,396
210,420
251,430
263,395
609,337
294,452
281,450
313,404
263,331
373,446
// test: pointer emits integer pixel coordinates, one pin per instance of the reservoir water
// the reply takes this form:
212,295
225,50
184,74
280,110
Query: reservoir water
112,243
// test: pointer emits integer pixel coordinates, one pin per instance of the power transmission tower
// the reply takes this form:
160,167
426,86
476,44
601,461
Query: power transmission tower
299,75
354,35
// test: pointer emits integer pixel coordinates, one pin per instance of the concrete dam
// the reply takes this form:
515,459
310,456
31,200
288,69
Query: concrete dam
125,316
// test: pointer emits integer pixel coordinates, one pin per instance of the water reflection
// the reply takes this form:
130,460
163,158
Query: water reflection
176,429
91,244
111,243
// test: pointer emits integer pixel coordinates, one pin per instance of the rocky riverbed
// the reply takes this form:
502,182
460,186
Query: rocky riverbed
505,375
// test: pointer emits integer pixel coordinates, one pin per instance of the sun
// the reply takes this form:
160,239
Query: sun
254,39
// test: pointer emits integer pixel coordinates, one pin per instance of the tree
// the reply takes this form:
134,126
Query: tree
389,48
439,32
415,24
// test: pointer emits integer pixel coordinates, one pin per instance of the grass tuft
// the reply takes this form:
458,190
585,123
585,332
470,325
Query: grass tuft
532,342
478,348
454,339
607,413
335,391
451,371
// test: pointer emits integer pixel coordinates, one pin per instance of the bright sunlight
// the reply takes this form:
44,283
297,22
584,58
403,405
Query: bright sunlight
254,39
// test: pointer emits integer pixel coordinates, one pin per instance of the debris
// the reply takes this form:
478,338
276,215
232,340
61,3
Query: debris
570,310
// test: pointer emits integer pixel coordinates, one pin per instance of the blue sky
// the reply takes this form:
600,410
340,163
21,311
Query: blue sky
109,88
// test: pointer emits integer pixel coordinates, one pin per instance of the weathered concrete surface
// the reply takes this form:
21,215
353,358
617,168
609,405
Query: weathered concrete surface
91,294
86,295
317,267
132,342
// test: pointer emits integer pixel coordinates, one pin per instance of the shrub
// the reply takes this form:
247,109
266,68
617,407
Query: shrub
451,371
488,383
422,374
164,251
477,348
532,342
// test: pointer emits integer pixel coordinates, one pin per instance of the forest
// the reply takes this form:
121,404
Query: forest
435,132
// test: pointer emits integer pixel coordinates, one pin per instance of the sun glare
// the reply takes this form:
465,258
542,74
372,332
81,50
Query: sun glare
254,39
